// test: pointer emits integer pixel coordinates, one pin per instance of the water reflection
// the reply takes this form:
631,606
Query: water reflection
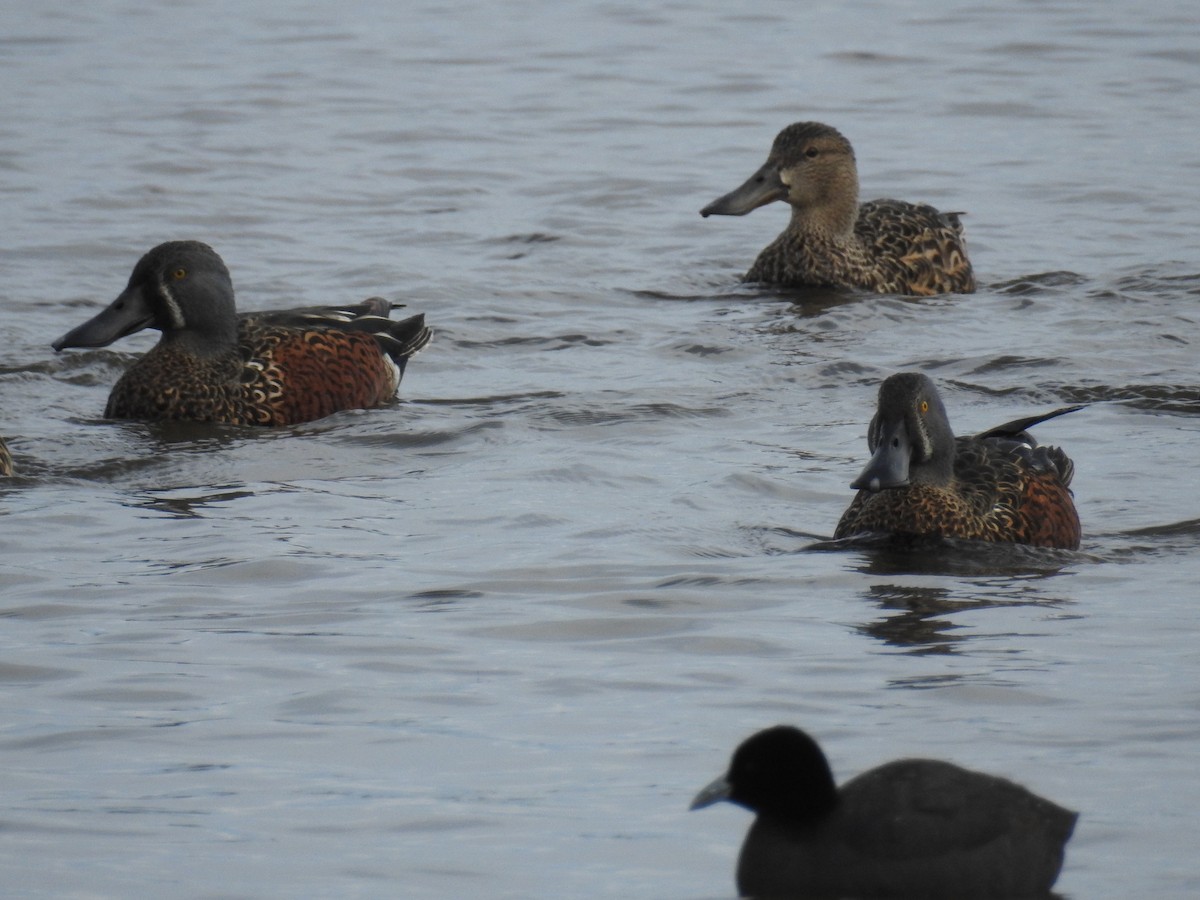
198,437
1041,283
886,554
443,599
919,624
921,621
1188,527
1174,539
185,506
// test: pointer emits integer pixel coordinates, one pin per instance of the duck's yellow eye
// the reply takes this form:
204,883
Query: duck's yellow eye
179,274
924,407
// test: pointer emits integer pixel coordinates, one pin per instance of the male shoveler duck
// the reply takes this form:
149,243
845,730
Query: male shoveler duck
909,828
6,463
888,246
922,480
259,368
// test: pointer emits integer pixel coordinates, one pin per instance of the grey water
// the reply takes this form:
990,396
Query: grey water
489,640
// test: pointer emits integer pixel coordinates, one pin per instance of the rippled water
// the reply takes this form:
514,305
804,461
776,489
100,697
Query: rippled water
490,640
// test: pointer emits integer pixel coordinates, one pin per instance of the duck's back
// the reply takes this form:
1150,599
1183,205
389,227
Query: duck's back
896,248
288,367
1018,491
914,828
299,374
914,249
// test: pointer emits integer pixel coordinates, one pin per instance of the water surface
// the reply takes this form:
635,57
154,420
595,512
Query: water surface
488,641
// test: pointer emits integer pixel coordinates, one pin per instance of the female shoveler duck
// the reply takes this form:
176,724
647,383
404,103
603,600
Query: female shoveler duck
909,828
261,368
888,246
922,480
6,463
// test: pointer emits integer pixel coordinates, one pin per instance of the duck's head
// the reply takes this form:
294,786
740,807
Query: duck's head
910,437
181,288
812,167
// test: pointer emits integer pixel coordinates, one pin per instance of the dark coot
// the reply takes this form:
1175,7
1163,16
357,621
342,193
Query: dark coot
909,828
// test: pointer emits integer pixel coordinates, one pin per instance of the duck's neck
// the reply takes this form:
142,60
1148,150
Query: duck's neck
831,222
218,338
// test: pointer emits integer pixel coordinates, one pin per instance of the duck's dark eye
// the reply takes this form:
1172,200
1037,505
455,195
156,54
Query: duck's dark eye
179,273
812,152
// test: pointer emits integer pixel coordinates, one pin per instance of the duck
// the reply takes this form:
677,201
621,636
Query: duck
921,480
6,460
272,368
915,828
886,246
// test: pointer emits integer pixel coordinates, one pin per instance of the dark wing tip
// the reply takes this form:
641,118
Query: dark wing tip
406,337
1017,427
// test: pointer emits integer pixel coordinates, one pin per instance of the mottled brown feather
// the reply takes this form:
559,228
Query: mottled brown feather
898,248
277,375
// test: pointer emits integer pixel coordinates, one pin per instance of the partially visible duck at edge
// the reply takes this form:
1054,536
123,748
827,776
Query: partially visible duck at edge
912,828
887,246
6,463
257,368
999,485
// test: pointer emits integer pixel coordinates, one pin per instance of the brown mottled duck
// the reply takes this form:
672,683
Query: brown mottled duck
999,485
258,368
887,246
